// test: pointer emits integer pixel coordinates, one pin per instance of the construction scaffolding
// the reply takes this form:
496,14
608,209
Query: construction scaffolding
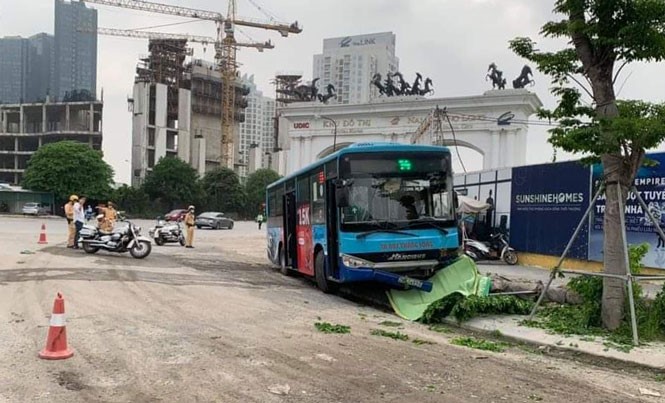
165,63
285,83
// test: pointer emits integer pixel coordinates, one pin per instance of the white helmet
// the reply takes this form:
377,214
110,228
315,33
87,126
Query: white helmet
190,208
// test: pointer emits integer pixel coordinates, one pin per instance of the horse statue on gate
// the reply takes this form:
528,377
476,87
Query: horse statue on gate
415,87
314,91
389,86
428,87
523,80
376,81
404,87
331,92
496,75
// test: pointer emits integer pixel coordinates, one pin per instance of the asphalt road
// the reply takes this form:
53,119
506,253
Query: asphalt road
216,323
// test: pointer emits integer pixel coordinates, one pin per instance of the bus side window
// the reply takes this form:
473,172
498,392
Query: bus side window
318,201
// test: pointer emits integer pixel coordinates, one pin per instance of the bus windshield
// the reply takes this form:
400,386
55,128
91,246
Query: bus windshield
400,190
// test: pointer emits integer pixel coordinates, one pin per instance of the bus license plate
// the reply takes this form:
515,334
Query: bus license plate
412,282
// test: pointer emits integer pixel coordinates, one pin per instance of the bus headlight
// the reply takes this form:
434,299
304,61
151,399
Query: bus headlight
354,262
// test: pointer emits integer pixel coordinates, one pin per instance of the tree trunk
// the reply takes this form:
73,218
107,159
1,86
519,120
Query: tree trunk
616,171
613,247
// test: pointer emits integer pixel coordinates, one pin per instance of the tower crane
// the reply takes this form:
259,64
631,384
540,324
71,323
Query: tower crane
205,40
225,52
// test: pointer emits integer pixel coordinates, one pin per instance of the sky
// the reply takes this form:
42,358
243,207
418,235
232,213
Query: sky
451,41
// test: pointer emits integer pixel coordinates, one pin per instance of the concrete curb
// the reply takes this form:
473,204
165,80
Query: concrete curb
650,357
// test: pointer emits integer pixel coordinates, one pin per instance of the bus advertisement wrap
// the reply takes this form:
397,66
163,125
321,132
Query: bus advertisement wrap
547,203
650,183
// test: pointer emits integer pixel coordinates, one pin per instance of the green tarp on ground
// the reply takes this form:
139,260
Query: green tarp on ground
462,276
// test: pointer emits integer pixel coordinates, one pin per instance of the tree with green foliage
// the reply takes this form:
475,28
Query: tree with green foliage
223,191
173,183
255,188
134,201
603,34
66,168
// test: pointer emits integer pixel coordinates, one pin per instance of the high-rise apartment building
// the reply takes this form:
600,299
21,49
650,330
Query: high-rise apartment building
14,57
257,131
40,69
31,68
75,64
350,62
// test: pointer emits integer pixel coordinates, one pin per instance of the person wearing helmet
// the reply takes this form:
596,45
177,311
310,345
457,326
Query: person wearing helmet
190,219
69,214
110,217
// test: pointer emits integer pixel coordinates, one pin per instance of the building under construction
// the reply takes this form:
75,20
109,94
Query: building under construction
177,109
24,128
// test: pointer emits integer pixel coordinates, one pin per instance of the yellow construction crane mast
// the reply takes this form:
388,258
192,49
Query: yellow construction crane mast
225,53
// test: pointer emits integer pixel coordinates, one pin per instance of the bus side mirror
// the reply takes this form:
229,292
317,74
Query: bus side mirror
455,201
342,197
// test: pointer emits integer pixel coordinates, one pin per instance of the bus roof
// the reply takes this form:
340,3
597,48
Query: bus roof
362,148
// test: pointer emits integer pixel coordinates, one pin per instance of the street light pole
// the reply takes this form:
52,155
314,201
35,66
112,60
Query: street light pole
334,129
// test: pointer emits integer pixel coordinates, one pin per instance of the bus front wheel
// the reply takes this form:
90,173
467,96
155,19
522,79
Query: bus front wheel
320,274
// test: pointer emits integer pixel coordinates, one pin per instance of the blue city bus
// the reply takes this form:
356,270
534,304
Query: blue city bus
381,212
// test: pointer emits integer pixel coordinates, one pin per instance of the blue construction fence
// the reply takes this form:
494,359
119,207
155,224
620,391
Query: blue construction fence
540,206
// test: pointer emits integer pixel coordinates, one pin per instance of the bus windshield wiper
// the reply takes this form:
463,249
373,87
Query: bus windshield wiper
385,230
428,221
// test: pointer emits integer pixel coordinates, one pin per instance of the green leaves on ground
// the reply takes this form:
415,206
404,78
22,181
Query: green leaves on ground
392,335
463,309
69,167
326,327
585,318
389,323
480,344
420,342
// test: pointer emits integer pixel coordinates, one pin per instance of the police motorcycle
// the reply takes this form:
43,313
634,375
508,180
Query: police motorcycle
165,232
124,238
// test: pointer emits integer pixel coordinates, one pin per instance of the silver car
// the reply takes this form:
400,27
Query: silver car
213,220
35,209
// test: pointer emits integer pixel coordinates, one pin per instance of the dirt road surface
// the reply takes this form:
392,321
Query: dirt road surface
216,323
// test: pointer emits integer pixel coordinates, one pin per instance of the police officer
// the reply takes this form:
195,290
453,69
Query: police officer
190,220
110,217
69,213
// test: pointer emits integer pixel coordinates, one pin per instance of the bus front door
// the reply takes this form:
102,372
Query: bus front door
331,228
290,220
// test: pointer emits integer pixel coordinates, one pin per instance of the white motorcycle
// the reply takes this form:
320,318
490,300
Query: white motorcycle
496,249
165,232
124,239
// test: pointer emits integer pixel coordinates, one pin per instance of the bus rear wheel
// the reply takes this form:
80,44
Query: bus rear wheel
320,274
282,263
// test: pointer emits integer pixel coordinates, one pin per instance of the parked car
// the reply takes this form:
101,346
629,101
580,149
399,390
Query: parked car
213,220
176,215
35,209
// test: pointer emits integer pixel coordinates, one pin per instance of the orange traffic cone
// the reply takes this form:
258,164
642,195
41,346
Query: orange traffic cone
42,235
56,342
